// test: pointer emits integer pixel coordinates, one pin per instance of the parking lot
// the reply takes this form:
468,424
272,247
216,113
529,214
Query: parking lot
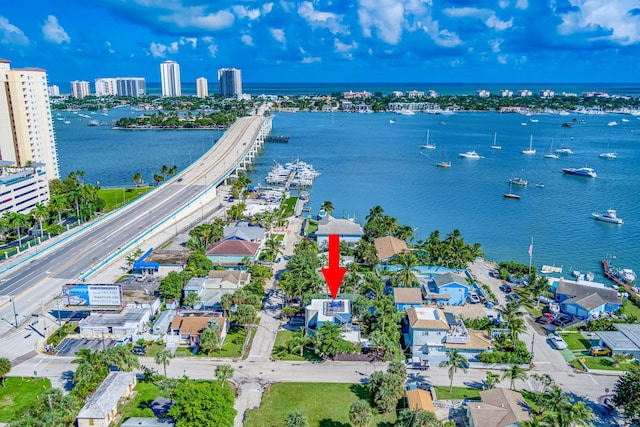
70,346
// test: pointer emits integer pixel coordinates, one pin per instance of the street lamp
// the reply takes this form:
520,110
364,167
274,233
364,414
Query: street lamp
15,315
57,300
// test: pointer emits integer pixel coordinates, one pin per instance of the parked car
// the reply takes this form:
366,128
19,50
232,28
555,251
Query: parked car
562,320
473,298
140,350
506,288
545,318
597,350
513,297
122,341
558,342
141,277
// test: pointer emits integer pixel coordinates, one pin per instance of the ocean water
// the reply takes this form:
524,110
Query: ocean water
365,161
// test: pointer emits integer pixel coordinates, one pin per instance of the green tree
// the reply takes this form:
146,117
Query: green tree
171,286
626,393
209,339
202,404
159,179
296,419
513,374
166,387
300,339
407,262
137,179
328,341
416,418
456,361
5,367
327,206
492,380
18,221
192,299
224,373
163,357
245,315
40,213
360,413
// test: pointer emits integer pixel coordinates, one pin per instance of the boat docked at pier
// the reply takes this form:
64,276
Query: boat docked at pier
610,216
587,172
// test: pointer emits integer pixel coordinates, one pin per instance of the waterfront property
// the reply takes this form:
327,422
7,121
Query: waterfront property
406,298
499,408
447,288
586,299
22,188
626,340
101,408
388,246
348,230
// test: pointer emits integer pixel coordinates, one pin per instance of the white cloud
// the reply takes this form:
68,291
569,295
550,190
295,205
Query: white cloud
54,32
609,15
207,39
495,45
213,50
311,60
502,59
10,34
109,48
158,50
189,40
245,12
444,38
386,16
173,47
278,34
196,18
247,39
343,47
486,15
522,4
267,8
321,19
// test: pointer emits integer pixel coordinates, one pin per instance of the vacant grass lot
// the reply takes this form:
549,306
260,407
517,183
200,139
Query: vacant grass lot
115,198
139,406
576,342
458,393
324,404
282,338
19,394
602,363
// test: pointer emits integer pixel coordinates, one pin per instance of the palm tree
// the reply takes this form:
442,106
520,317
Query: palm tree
137,179
513,374
376,213
272,248
510,311
5,367
516,327
408,261
40,213
58,204
456,360
360,413
492,380
158,178
327,206
300,339
75,197
223,373
163,357
18,221
164,170
167,385
578,414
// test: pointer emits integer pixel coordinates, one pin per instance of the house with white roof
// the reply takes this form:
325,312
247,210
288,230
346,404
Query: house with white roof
338,311
347,229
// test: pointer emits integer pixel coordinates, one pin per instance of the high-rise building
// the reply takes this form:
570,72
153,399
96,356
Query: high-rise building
54,90
202,87
170,76
230,82
106,87
80,89
131,86
27,136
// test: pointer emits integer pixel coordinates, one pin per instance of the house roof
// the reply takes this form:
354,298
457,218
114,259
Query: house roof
478,340
420,399
388,246
128,316
234,247
407,295
625,339
106,397
193,325
234,276
449,278
427,318
589,302
499,408
573,289
330,225
250,234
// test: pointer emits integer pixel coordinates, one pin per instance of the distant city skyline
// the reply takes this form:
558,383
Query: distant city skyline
303,41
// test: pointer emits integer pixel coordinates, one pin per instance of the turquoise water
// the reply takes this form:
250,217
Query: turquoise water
366,161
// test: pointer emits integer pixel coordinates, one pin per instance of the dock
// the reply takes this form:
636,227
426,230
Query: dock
615,279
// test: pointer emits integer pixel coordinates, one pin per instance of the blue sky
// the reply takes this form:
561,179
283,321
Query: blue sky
498,41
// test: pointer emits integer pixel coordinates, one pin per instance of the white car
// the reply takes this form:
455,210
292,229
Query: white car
558,342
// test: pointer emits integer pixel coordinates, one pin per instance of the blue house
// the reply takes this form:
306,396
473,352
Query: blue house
405,298
586,300
448,288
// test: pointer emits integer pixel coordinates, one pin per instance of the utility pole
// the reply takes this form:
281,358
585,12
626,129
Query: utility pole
15,315
57,300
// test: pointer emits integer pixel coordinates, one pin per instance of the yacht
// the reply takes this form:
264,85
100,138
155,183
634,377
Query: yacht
612,124
564,151
627,274
531,150
588,172
469,155
518,181
610,216
608,155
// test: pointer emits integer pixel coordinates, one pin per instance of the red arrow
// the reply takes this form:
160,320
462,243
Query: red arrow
334,274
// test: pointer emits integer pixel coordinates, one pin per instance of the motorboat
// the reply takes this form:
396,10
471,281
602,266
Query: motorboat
627,274
588,172
469,155
427,145
608,155
564,151
612,124
530,150
540,185
576,273
589,276
518,181
610,216
495,146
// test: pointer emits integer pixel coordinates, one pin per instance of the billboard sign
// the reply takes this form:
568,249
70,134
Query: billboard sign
92,295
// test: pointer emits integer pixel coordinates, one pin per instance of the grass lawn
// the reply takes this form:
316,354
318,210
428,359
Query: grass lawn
19,394
576,341
113,197
277,236
66,329
458,393
630,309
289,206
139,406
232,346
602,363
324,404
282,337
312,226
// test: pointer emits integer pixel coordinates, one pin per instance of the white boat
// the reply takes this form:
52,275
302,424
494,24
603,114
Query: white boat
531,150
495,146
518,181
588,172
427,145
534,120
564,151
550,154
66,122
523,124
469,155
511,195
391,121
612,124
625,120
576,273
444,163
589,276
547,269
610,216
611,155
627,274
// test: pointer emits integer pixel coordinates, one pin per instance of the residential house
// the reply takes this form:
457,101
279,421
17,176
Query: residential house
187,330
227,279
586,299
388,246
499,408
338,311
626,340
449,288
101,408
130,321
243,231
232,253
418,398
211,289
433,332
348,230
405,298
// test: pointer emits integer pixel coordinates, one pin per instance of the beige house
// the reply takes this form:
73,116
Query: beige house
388,246
499,407
420,399
187,330
101,408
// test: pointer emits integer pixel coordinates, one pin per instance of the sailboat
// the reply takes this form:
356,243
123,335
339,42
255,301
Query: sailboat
427,145
494,146
608,154
444,163
531,150
550,154
510,195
